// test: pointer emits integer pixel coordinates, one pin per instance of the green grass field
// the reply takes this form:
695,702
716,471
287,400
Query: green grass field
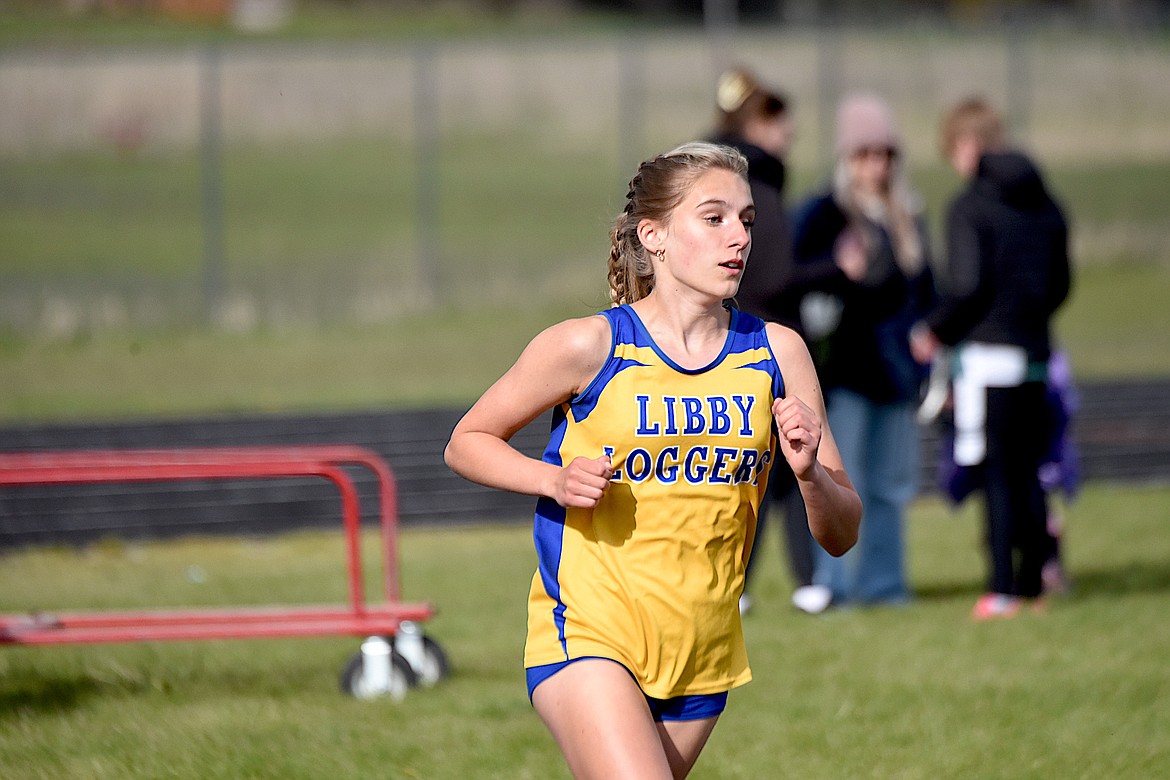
914,692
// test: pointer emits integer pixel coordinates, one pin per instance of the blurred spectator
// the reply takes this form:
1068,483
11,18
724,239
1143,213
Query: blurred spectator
755,119
1006,273
863,243
1060,471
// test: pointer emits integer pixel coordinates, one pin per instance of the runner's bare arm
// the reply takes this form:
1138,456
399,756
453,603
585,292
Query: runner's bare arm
806,442
555,366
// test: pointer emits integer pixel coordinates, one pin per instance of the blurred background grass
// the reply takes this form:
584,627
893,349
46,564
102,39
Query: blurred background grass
1114,325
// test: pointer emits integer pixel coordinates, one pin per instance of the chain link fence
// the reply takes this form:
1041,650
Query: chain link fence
257,185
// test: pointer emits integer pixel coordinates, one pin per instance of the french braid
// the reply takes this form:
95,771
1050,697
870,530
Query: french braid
656,189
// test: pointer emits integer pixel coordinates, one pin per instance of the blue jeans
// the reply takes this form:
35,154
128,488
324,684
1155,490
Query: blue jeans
879,446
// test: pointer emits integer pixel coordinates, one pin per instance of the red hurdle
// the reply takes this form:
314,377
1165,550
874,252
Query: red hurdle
386,619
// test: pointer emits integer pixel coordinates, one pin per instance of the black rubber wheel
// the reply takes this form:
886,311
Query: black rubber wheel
434,666
353,681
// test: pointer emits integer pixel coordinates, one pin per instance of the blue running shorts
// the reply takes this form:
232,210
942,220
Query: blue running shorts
695,707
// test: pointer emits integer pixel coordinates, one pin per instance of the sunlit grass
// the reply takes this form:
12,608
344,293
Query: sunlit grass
914,692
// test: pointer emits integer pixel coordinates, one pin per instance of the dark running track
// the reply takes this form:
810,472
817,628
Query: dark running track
1122,429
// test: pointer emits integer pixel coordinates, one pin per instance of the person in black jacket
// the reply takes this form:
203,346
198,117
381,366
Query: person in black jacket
1006,274
755,120
861,244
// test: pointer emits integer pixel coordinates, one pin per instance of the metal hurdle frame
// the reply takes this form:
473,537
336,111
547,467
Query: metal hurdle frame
395,656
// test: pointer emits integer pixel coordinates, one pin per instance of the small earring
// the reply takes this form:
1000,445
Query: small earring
661,253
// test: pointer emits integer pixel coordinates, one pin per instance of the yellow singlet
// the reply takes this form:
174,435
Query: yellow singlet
651,576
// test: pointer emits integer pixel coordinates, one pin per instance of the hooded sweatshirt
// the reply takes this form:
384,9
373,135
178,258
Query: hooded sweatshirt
1007,266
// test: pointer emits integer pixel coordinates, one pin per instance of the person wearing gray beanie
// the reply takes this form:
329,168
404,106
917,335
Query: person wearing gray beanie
863,242
865,121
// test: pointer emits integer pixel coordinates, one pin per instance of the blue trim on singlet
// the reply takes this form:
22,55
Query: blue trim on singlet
753,329
620,333
744,332
548,530
548,527
642,338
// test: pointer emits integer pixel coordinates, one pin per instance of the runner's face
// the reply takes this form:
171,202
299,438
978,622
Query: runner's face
709,235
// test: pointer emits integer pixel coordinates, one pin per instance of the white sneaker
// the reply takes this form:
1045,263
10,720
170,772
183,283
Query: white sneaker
745,604
813,599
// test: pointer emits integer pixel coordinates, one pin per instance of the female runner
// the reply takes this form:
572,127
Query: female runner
667,412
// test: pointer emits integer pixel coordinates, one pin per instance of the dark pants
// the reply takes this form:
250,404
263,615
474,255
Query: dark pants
1017,539
783,495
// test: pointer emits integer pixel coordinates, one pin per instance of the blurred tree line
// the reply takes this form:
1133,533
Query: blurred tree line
1117,11
1114,12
